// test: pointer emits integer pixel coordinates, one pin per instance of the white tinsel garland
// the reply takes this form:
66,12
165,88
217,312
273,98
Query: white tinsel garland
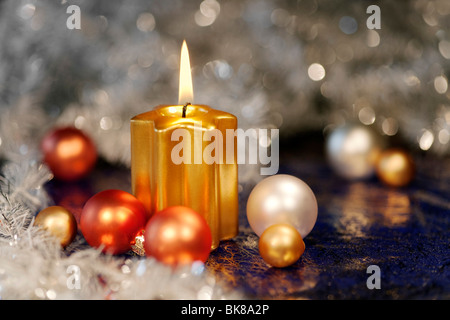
34,266
32,263
249,58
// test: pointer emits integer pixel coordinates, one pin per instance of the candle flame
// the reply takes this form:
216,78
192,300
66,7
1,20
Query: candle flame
186,92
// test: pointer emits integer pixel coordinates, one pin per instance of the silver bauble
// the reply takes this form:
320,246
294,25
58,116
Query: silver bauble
282,199
352,151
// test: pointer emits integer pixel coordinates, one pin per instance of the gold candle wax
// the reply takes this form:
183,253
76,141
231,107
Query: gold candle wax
187,155
209,189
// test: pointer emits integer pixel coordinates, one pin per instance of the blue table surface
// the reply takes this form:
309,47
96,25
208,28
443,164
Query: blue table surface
403,231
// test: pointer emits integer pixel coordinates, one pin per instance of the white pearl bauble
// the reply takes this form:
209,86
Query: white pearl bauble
352,151
282,199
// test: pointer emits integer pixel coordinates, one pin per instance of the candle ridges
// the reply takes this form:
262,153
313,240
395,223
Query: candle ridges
159,182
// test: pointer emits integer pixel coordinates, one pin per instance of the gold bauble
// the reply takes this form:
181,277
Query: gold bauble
60,222
395,167
281,245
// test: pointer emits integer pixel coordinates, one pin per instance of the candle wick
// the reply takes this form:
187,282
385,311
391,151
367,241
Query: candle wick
185,109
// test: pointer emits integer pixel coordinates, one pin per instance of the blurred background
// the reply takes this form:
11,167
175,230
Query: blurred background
305,67
300,66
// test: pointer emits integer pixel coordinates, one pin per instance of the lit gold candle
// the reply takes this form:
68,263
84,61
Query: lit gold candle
187,155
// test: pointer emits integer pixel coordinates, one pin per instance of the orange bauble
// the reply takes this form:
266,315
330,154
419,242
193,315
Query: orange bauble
395,167
69,153
111,219
177,235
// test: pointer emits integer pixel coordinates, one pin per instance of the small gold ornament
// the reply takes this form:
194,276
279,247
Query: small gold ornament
60,222
395,167
137,245
280,245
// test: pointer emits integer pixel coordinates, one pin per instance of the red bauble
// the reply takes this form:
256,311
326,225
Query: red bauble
112,218
69,153
177,235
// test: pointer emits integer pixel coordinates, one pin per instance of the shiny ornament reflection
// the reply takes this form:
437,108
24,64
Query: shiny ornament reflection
177,235
353,150
282,199
281,245
59,222
395,167
69,153
111,219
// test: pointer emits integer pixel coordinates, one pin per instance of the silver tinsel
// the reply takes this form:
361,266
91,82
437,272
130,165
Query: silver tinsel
34,266
293,65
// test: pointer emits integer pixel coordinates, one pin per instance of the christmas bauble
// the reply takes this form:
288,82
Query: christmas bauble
281,245
69,153
282,199
352,151
111,219
59,222
177,235
395,167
